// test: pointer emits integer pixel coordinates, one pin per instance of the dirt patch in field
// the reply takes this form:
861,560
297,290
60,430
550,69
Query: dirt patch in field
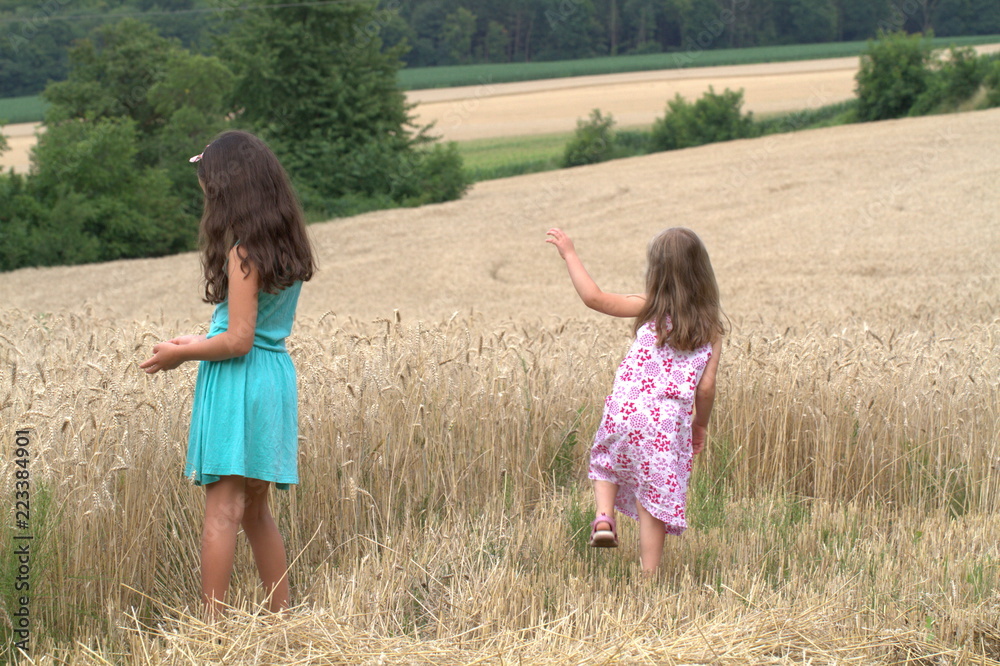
895,222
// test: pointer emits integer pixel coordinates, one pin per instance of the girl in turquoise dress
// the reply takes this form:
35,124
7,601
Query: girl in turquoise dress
244,422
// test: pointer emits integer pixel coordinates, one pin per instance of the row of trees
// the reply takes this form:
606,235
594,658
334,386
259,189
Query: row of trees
110,177
446,32
36,36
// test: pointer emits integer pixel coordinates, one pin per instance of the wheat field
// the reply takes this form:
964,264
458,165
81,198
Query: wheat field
844,511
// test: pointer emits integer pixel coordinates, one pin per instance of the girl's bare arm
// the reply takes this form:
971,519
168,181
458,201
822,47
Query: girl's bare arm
236,341
616,305
704,399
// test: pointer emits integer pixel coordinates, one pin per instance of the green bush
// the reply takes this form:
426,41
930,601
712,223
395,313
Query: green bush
893,75
992,82
439,175
110,176
428,175
963,72
950,82
88,200
830,115
714,117
21,214
632,142
592,142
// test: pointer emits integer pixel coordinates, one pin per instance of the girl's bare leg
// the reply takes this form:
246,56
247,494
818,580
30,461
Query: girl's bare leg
605,493
224,503
652,532
268,546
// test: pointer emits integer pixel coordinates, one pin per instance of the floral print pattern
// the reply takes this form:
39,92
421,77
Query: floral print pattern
643,444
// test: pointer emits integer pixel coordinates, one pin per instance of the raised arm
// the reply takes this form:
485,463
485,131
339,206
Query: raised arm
616,305
236,341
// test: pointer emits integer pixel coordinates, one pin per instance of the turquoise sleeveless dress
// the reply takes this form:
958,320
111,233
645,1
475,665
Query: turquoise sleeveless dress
244,420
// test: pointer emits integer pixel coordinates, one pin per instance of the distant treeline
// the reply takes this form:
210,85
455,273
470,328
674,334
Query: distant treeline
450,32
35,37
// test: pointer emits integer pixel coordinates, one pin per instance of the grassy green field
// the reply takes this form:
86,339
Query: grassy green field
22,109
499,157
460,75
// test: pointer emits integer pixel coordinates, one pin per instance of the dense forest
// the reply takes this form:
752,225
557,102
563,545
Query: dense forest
35,37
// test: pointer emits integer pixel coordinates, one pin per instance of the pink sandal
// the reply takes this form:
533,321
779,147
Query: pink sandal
607,538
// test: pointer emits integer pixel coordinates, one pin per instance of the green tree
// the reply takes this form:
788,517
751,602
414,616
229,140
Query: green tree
806,21
87,201
37,36
191,101
639,25
966,17
329,104
858,19
427,19
893,75
573,30
459,28
110,76
177,100
496,44
110,176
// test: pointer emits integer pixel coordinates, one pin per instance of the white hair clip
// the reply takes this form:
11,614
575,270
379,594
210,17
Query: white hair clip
197,158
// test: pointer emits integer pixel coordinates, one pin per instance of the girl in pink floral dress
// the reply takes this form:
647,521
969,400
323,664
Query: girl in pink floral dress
656,416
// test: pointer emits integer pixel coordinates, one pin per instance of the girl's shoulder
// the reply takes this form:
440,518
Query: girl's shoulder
655,327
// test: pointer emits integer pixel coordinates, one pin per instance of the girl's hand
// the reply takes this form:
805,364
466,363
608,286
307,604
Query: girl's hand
561,241
698,434
187,339
166,356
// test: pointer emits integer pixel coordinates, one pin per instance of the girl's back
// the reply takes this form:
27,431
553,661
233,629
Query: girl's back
275,314
643,444
656,417
244,419
661,372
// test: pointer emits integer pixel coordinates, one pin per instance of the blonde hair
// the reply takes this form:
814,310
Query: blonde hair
680,285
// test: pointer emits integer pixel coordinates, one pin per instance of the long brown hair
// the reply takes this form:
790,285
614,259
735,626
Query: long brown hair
680,284
248,198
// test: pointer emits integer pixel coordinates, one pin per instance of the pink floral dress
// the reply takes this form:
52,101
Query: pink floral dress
644,442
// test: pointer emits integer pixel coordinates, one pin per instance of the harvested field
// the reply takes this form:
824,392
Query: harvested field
450,380
634,99
554,105
841,218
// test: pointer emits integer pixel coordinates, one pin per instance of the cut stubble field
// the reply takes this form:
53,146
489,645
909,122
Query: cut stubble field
450,380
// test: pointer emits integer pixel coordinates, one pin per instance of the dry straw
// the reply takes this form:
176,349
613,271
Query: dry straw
842,514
